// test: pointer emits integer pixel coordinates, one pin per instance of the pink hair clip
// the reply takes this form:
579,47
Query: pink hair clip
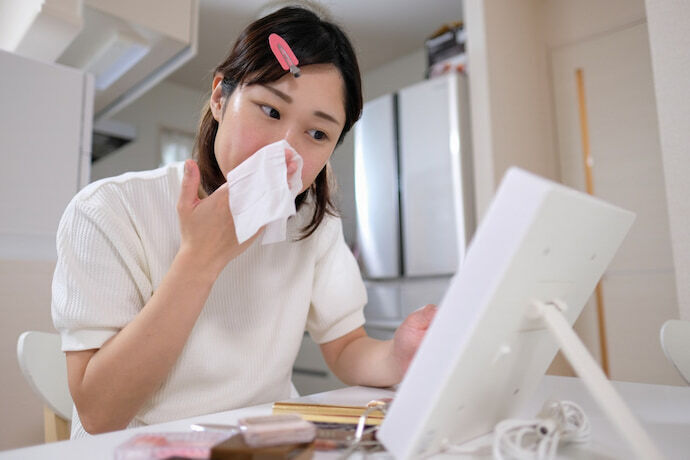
284,54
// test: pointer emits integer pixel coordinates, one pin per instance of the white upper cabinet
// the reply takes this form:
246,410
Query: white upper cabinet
127,45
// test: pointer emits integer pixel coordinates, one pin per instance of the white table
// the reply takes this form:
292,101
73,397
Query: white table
663,410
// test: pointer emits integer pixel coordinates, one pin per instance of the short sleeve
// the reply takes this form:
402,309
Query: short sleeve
338,295
100,281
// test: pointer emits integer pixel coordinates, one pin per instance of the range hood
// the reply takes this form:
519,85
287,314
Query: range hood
108,136
128,45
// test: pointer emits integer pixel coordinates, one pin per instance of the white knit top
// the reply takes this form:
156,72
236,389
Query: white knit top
117,240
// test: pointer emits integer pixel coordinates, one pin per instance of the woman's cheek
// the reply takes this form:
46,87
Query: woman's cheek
221,152
310,170
305,179
231,154
308,174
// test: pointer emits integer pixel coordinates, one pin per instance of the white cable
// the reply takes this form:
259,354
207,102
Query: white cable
538,439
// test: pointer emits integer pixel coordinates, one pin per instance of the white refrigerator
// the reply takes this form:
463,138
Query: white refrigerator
414,195
45,146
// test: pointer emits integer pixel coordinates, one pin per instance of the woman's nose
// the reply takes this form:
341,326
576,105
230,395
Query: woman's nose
292,138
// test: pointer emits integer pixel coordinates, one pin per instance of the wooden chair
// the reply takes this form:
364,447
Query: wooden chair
675,341
43,364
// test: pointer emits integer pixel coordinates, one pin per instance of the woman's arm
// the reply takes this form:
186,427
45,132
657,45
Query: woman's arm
357,359
111,384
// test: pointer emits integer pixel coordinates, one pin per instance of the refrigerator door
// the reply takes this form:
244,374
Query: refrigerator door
376,189
45,141
433,214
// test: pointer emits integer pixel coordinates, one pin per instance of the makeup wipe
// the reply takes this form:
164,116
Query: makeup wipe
260,193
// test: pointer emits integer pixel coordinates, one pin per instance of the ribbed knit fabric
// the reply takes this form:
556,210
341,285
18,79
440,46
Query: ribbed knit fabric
116,241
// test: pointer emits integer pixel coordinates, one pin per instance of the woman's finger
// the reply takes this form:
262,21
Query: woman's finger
291,168
290,162
189,189
422,318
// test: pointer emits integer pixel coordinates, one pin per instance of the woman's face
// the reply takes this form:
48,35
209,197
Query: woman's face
307,111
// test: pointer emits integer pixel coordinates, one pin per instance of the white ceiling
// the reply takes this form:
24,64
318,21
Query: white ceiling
380,30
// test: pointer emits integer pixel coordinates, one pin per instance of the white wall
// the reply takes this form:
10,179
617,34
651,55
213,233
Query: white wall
25,305
394,75
567,21
166,105
669,36
512,121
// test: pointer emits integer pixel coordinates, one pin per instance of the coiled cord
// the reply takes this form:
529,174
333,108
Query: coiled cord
538,439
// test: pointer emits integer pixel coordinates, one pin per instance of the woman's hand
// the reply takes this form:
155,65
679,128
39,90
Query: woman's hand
206,225
409,336
360,360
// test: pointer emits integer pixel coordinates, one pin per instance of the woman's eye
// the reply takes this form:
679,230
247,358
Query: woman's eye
270,111
318,135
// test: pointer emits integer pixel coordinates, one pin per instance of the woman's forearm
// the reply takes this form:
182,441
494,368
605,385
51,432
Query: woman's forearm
360,360
367,361
127,370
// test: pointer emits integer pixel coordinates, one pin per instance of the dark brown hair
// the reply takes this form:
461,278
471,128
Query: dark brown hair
314,41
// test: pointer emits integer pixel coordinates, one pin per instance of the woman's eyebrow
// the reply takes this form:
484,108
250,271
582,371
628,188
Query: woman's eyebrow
288,99
326,116
278,93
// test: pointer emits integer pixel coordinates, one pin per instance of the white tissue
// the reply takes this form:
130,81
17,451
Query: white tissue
260,193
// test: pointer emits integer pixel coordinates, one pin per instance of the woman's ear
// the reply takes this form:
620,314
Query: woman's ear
216,101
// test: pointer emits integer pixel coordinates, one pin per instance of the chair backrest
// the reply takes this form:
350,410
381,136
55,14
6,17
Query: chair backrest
675,341
43,364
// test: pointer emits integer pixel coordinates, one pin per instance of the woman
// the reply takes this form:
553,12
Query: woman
162,312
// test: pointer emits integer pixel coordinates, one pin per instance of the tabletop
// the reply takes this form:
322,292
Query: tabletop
663,410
